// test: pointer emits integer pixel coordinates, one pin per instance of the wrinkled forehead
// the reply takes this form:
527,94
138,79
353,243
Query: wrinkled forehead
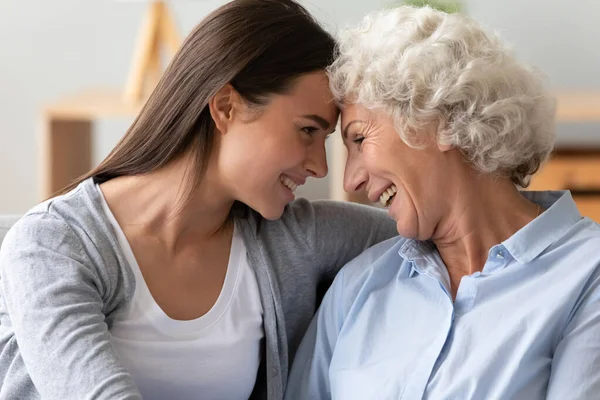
354,111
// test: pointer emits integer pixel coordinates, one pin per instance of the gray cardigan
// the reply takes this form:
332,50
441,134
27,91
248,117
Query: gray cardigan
63,279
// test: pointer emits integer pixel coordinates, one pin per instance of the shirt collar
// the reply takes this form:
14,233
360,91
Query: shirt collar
528,242
413,249
560,216
421,254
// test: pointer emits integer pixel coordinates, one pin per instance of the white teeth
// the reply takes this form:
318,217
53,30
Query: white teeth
384,198
387,195
289,183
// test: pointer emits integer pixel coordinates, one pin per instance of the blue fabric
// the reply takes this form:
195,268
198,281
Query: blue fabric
526,327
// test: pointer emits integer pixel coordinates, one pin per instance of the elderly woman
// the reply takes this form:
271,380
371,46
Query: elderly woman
489,292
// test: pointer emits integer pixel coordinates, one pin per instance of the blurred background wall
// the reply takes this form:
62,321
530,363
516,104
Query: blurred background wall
52,47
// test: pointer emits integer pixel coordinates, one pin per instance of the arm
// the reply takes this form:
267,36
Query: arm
54,299
309,376
344,230
576,363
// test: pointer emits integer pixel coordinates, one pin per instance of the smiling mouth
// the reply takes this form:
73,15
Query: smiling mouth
288,183
385,199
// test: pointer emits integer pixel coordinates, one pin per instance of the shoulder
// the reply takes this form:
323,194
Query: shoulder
586,227
583,245
303,212
372,259
69,230
60,222
325,208
582,240
373,263
576,259
329,216
320,222
40,227
573,261
303,208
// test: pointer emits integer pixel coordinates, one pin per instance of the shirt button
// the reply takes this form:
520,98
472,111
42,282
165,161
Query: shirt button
500,254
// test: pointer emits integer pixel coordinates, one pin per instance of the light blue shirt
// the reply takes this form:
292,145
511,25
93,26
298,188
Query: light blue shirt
526,327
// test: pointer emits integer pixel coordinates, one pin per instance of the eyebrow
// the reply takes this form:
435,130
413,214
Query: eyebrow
345,131
319,120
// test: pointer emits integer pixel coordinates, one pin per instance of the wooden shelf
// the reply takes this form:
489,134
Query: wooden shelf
577,106
106,103
569,171
66,142
92,104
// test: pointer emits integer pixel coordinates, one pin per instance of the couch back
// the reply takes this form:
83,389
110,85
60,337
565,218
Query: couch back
6,221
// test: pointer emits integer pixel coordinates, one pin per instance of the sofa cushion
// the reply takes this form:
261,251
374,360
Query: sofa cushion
6,221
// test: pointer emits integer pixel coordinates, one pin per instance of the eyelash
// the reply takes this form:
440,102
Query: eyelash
309,130
358,141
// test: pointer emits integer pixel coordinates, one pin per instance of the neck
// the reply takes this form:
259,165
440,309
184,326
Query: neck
157,206
482,212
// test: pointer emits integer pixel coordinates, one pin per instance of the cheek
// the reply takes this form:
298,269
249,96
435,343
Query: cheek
356,157
292,150
282,154
373,160
352,162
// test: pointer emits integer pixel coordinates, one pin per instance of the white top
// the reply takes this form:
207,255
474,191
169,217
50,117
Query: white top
215,356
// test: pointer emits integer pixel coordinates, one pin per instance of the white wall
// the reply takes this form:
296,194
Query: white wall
561,37
49,48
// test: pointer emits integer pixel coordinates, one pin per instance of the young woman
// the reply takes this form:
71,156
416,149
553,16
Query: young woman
181,267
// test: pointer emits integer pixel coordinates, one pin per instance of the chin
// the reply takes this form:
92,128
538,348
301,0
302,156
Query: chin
272,216
408,232
271,212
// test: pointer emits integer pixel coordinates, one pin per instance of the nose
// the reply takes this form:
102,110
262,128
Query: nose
316,161
355,175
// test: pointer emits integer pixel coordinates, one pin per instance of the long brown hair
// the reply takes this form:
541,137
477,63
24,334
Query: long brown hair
258,46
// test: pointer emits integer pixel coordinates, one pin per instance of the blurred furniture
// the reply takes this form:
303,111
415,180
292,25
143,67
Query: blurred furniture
66,139
577,106
158,29
575,169
6,221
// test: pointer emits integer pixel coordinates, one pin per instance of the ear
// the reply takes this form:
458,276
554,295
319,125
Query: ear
223,106
441,126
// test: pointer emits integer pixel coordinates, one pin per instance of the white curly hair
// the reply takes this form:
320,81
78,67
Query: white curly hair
424,67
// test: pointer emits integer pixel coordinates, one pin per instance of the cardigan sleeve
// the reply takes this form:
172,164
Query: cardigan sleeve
53,319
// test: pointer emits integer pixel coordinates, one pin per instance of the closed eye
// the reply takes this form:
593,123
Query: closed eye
309,130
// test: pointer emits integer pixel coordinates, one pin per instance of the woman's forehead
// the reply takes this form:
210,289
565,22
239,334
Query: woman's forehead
354,111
